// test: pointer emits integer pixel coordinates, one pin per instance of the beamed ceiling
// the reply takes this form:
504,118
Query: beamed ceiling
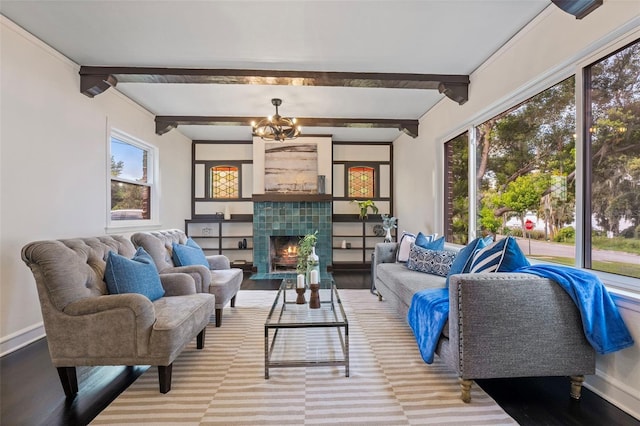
357,70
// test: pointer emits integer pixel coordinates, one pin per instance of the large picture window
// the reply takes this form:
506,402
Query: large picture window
131,174
612,240
525,174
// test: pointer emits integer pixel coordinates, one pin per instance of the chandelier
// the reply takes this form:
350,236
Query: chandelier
276,128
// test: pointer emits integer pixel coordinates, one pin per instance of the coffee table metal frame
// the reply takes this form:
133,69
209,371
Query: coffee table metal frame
277,320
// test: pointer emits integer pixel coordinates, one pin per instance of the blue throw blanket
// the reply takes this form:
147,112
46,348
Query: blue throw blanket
603,326
427,315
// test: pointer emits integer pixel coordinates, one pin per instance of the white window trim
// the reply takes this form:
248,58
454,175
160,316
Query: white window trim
153,163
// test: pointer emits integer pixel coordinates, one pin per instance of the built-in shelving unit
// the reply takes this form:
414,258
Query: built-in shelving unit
357,234
232,238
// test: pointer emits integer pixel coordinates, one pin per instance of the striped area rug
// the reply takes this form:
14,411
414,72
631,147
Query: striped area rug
224,383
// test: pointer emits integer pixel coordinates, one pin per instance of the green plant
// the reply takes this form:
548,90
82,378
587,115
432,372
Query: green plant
305,247
364,207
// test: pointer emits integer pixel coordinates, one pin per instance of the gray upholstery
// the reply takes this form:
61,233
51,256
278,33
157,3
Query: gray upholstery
500,324
87,326
219,279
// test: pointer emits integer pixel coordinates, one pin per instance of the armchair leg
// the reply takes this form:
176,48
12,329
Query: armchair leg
164,377
69,380
200,343
465,387
379,297
218,317
233,301
576,387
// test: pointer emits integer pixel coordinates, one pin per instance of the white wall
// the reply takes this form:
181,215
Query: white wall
53,144
544,53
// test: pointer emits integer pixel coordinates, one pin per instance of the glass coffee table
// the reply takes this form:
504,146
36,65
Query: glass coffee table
297,336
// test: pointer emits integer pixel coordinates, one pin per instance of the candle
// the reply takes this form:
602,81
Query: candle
314,277
300,283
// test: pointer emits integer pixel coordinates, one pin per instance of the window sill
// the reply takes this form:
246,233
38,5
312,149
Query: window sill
132,227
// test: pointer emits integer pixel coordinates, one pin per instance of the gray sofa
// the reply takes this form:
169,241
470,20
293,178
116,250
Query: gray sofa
87,326
500,324
220,279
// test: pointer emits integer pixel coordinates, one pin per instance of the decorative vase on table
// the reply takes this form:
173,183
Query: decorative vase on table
313,264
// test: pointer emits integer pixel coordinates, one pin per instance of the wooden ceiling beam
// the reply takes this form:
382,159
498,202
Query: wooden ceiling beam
165,123
95,80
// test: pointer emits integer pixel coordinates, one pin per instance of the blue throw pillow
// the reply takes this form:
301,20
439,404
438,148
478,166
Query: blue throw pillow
136,275
462,262
188,254
431,244
435,262
501,256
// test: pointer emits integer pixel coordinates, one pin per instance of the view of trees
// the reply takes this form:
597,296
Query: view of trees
129,200
526,166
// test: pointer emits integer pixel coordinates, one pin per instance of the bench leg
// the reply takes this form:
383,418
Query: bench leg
218,317
69,380
164,377
465,388
200,338
576,386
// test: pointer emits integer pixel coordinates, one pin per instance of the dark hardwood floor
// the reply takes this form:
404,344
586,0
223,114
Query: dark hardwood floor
31,394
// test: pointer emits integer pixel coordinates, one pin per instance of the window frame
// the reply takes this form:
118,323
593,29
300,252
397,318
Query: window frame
375,165
152,172
621,286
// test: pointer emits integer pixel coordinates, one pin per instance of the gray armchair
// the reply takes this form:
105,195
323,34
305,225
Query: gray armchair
86,326
219,279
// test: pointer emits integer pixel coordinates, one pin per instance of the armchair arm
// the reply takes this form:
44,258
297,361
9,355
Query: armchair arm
218,261
514,325
137,303
200,274
176,284
385,253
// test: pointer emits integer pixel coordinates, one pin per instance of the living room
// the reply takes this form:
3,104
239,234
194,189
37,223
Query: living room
55,165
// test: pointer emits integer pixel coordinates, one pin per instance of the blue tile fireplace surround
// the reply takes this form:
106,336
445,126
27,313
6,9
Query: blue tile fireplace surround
290,218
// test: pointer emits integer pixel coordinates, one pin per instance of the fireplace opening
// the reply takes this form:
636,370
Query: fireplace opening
283,253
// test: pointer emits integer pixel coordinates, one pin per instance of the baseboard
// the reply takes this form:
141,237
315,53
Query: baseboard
617,393
21,338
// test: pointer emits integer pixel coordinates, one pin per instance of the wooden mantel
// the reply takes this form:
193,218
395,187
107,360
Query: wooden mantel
290,197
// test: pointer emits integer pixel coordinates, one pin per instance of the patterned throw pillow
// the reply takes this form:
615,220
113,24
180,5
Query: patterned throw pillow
435,262
501,256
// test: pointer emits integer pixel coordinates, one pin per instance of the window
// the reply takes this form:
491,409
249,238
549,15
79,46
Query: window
131,194
457,189
525,174
225,182
361,182
612,240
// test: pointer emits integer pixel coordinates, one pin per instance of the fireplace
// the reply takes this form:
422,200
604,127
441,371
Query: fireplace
290,219
283,253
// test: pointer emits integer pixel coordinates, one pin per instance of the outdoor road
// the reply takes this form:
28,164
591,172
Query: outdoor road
543,248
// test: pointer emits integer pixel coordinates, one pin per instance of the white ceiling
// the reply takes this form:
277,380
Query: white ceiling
424,37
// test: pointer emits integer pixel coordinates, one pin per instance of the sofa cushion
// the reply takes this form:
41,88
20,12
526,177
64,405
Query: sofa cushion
188,254
502,256
403,282
436,262
136,275
462,262
402,255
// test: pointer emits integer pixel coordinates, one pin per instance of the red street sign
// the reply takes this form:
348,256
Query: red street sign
528,225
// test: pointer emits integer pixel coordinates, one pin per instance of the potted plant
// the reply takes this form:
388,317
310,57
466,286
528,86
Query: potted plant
306,246
364,207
